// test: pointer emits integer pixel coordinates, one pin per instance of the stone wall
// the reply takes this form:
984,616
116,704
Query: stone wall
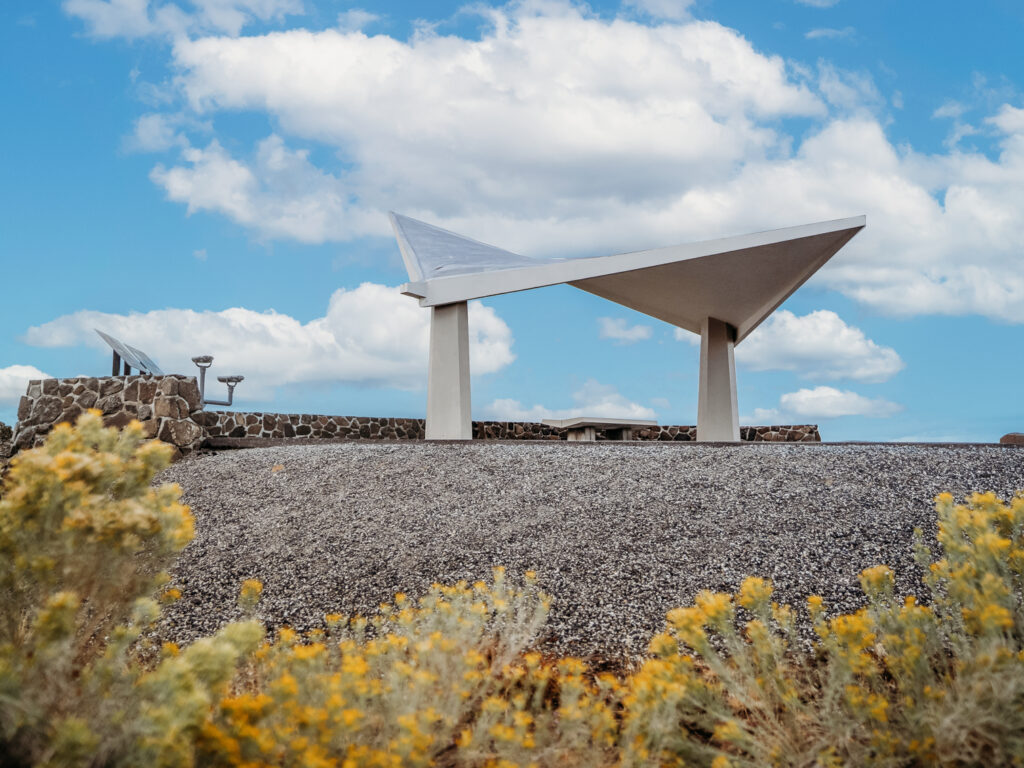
280,425
6,440
166,406
169,409
243,424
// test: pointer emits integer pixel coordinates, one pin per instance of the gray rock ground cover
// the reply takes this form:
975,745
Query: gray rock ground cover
619,534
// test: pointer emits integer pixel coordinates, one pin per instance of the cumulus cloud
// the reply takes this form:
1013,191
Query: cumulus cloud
592,399
370,335
280,192
616,329
818,345
143,18
14,381
825,403
553,115
556,131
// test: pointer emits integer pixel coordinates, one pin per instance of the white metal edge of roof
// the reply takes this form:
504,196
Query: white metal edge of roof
455,288
412,264
598,421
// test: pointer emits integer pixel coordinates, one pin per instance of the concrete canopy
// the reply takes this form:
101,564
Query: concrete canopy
722,289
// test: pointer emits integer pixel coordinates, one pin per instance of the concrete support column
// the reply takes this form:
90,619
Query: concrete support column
448,400
717,413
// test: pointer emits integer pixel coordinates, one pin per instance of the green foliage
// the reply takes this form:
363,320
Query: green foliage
450,679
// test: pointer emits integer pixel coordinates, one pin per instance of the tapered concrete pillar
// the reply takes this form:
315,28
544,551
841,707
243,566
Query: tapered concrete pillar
717,414
448,400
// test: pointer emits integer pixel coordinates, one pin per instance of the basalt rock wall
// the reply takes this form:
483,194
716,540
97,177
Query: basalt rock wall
170,410
306,425
6,435
284,425
165,405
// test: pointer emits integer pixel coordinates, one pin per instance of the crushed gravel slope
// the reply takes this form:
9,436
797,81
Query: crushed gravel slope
618,534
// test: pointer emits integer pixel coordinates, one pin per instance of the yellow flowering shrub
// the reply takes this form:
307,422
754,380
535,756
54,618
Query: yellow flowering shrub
84,541
415,685
452,678
896,683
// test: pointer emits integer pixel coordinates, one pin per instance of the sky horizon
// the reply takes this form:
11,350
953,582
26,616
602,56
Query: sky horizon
214,176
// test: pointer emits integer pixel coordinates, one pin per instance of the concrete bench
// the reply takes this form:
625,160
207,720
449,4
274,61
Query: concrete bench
582,428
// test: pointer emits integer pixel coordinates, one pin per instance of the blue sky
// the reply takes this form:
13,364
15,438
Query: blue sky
213,176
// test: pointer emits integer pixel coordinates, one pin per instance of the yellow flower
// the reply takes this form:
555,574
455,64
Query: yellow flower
876,580
728,732
307,652
754,592
689,624
716,606
662,644
250,594
351,716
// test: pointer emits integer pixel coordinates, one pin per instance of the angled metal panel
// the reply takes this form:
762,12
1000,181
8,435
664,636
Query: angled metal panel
430,252
148,365
123,351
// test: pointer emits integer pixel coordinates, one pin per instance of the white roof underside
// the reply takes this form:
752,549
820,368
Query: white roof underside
739,280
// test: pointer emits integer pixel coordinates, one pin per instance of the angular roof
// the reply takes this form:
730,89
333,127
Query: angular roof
739,280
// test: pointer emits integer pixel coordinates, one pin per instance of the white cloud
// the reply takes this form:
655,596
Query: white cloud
592,399
142,18
615,328
369,335
552,116
680,334
848,91
558,131
281,193
155,132
824,403
675,10
829,33
14,381
941,235
949,109
355,19
818,345
1009,120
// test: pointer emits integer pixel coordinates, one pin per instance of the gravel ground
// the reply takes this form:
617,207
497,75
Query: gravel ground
619,534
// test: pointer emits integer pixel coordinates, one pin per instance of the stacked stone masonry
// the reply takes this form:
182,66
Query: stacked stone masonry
305,425
6,436
165,405
280,425
170,410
